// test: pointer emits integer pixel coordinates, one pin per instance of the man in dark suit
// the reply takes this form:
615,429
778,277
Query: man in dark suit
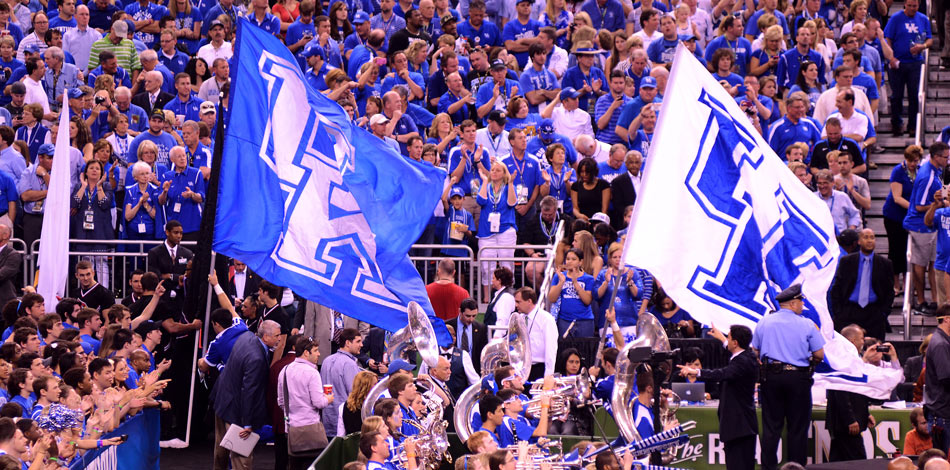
863,289
623,190
847,415
471,336
239,393
170,260
243,283
10,263
738,425
153,96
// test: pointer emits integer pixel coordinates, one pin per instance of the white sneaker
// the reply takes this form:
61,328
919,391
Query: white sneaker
173,444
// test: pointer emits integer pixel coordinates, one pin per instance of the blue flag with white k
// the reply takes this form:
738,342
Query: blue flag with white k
724,225
310,201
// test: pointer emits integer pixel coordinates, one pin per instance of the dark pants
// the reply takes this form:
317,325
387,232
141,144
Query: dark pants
904,76
280,451
581,329
537,371
32,226
940,430
740,453
786,398
897,244
847,447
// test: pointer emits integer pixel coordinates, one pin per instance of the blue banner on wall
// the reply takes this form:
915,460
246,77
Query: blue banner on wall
140,452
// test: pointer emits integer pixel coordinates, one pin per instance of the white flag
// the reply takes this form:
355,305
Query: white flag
723,224
53,261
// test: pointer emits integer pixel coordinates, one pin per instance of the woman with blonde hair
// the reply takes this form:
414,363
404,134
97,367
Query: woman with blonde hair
443,134
593,262
351,419
764,61
416,54
859,13
557,15
496,226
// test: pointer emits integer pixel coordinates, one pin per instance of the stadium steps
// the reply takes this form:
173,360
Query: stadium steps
936,117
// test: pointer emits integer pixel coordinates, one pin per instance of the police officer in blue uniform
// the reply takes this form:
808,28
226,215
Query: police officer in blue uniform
787,345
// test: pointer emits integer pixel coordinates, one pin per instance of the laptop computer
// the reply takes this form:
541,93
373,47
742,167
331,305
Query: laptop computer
693,392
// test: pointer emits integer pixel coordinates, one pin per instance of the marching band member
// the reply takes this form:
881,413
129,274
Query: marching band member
375,447
515,427
402,387
491,407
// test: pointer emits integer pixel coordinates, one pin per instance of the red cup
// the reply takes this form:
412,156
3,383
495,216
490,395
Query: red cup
328,389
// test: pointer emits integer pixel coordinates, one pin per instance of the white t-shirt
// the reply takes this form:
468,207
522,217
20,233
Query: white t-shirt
571,123
35,94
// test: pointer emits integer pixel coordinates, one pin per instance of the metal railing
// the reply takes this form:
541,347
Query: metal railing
906,309
122,259
461,271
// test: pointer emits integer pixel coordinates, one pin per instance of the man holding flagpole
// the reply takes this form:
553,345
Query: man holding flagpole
768,244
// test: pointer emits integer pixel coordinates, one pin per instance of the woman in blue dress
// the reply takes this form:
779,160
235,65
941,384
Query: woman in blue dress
629,286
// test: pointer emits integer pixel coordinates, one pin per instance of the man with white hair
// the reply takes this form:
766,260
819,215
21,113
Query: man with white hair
240,391
183,191
153,96
138,118
78,41
141,202
586,146
59,76
149,59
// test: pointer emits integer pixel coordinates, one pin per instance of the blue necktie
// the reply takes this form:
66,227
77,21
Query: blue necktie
865,288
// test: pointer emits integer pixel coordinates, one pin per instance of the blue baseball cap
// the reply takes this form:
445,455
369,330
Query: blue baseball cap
546,128
569,92
46,149
399,364
648,82
314,49
360,17
75,93
456,191
32,49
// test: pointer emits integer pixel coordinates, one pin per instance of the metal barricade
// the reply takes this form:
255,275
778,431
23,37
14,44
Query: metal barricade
19,246
519,262
909,298
460,272
121,253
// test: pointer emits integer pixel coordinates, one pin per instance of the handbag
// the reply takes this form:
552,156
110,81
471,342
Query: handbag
302,440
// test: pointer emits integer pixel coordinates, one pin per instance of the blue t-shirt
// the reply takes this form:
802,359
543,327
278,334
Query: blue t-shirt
662,51
187,22
8,191
741,47
470,173
92,342
486,91
495,202
752,25
460,216
532,80
785,133
25,403
191,108
163,141
904,32
219,349
632,109
485,35
572,307
926,184
891,210
515,30
151,11
537,147
529,124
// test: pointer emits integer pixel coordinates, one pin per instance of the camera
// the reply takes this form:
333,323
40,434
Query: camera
100,99
882,349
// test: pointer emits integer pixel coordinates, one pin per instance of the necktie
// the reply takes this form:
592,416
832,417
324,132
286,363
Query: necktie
865,288
151,99
337,325
174,251
465,338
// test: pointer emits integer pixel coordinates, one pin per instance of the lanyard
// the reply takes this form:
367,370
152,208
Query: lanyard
495,142
519,167
495,199
548,234
89,198
558,180
122,145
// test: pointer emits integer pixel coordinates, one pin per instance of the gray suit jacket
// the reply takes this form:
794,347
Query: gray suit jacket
239,393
